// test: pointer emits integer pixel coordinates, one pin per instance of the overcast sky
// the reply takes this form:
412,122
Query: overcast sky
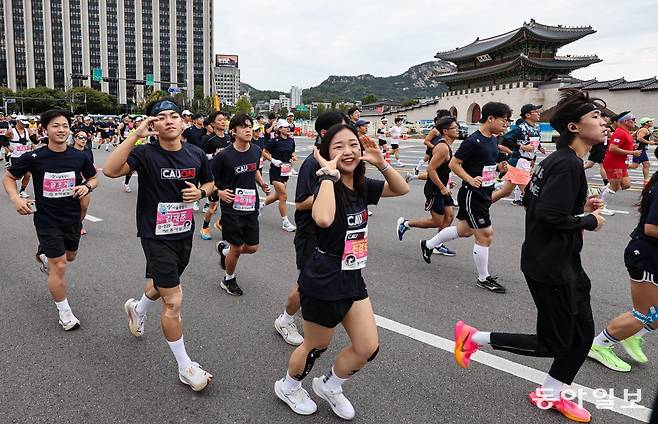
291,42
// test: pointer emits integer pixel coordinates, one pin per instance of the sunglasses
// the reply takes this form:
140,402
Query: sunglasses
81,137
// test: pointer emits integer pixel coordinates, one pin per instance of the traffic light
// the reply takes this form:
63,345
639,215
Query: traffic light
110,79
139,82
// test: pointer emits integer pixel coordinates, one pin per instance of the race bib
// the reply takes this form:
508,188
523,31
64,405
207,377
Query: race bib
57,185
19,149
534,141
244,200
355,253
261,162
629,159
488,175
286,169
173,218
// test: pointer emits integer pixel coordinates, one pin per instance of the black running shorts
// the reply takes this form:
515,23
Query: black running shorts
327,313
597,153
473,209
382,142
395,146
437,202
305,243
166,260
240,229
56,241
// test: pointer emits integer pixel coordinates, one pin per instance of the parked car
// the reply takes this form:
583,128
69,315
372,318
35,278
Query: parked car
426,129
463,130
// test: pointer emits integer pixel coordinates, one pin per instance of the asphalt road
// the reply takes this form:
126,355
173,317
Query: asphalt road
100,373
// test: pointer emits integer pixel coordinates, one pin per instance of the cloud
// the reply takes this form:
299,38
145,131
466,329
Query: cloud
301,43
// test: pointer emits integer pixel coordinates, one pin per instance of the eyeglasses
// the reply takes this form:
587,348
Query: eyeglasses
81,137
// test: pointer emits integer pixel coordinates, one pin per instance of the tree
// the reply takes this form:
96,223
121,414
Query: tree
283,112
243,105
90,100
40,99
321,108
370,98
7,93
300,114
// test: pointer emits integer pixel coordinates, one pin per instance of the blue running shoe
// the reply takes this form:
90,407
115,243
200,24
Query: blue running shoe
443,250
401,227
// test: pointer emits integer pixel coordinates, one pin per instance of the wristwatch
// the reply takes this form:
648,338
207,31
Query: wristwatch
89,187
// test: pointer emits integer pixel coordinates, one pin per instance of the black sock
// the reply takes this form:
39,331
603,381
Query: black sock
605,182
23,188
127,179
206,224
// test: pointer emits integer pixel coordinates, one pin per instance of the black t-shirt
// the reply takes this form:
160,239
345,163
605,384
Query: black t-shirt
161,213
281,148
642,250
54,174
478,153
89,129
237,171
4,141
270,135
212,143
195,135
88,152
327,274
554,198
307,185
103,126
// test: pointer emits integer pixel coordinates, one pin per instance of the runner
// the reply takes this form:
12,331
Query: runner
5,128
331,287
20,142
290,117
525,138
396,136
597,154
169,174
90,129
555,202
619,155
382,133
235,170
187,119
212,144
80,139
475,163
643,137
124,127
354,113
641,258
305,240
281,153
194,133
270,127
106,131
58,172
441,113
438,193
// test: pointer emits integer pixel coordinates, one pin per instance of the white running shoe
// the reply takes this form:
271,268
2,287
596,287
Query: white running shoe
399,164
127,188
607,212
42,260
135,321
195,377
298,400
408,177
68,321
23,195
287,226
289,331
337,400
195,206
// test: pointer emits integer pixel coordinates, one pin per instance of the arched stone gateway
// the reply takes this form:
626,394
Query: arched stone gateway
474,113
454,112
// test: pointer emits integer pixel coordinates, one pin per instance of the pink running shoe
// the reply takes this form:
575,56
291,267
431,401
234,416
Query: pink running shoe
569,409
464,346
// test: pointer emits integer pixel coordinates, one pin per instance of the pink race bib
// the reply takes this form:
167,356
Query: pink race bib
244,200
355,253
58,184
488,175
173,218
286,169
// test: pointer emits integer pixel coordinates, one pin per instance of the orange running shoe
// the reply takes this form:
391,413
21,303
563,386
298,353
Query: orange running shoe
464,345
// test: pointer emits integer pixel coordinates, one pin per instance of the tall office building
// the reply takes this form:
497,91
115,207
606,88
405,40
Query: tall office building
57,44
295,96
227,78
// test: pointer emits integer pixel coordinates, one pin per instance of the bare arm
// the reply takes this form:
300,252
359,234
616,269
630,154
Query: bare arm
324,206
439,156
651,230
618,150
428,138
22,205
456,167
307,204
116,165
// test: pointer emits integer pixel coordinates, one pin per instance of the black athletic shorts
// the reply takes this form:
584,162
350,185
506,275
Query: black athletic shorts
382,142
305,243
56,241
428,152
166,260
641,260
240,229
395,146
473,209
436,202
327,313
275,175
597,153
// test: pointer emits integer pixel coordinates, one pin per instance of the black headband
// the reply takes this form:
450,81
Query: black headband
560,122
163,105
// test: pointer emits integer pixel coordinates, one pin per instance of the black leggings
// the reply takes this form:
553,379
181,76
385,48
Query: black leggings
127,179
565,328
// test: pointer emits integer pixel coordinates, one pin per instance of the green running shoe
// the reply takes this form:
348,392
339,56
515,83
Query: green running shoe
633,346
608,357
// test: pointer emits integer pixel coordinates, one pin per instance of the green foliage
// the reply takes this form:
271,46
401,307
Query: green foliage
321,109
243,105
40,99
370,98
89,100
410,102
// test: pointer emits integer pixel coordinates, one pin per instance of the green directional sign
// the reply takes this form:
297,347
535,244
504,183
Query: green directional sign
150,81
97,74
301,108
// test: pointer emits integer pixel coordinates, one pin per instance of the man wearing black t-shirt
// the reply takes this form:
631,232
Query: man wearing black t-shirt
235,170
89,128
475,163
172,175
58,172
305,240
195,133
5,128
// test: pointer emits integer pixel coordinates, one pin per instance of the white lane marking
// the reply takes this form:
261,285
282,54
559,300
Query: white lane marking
92,218
620,406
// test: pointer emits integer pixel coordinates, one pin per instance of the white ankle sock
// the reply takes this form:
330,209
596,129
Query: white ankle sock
604,339
143,306
646,329
226,250
420,163
63,305
228,276
517,194
333,382
290,383
481,337
447,234
552,388
287,318
178,349
607,195
481,258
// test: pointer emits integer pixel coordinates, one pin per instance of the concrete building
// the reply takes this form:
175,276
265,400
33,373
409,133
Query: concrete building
57,44
227,78
284,101
295,96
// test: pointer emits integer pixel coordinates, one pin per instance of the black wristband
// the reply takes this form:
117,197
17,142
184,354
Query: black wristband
89,187
203,193
325,178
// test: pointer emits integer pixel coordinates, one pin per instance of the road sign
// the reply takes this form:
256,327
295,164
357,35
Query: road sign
301,108
98,74
173,89
10,101
150,80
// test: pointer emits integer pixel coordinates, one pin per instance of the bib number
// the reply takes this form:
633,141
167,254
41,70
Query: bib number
629,159
534,141
56,185
244,200
286,169
261,162
173,218
488,175
355,253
